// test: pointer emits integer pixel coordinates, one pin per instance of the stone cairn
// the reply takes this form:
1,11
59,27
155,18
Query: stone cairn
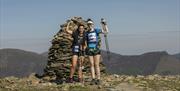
60,53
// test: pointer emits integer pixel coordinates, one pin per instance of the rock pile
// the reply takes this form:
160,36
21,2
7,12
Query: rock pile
60,53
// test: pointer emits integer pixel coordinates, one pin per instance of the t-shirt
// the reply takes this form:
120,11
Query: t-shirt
78,40
93,38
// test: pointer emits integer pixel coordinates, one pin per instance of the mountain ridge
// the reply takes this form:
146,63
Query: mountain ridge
13,62
20,63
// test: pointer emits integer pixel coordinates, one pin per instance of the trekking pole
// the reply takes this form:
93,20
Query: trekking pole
81,59
105,28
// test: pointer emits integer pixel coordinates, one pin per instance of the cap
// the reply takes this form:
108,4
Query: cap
90,22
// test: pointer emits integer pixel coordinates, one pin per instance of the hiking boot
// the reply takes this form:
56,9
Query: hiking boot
80,80
98,82
93,82
70,80
57,81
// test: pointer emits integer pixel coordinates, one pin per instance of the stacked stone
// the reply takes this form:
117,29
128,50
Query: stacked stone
60,53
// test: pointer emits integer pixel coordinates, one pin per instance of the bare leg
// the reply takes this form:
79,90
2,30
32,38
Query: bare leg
92,66
73,67
97,60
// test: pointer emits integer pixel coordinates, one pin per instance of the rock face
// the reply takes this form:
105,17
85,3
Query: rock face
60,53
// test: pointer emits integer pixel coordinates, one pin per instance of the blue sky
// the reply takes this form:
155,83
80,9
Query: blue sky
136,26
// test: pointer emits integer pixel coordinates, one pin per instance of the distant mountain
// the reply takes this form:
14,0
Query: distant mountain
45,54
20,63
177,55
145,64
168,65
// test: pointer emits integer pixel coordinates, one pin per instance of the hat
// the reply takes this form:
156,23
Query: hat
90,22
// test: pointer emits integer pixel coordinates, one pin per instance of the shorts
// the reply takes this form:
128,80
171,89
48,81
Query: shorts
93,51
81,53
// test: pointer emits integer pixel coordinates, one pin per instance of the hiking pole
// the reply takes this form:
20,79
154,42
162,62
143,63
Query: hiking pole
105,28
81,60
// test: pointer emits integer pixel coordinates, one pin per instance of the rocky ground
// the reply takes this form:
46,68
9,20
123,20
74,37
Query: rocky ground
109,83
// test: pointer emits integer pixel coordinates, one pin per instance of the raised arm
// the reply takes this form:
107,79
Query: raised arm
67,29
